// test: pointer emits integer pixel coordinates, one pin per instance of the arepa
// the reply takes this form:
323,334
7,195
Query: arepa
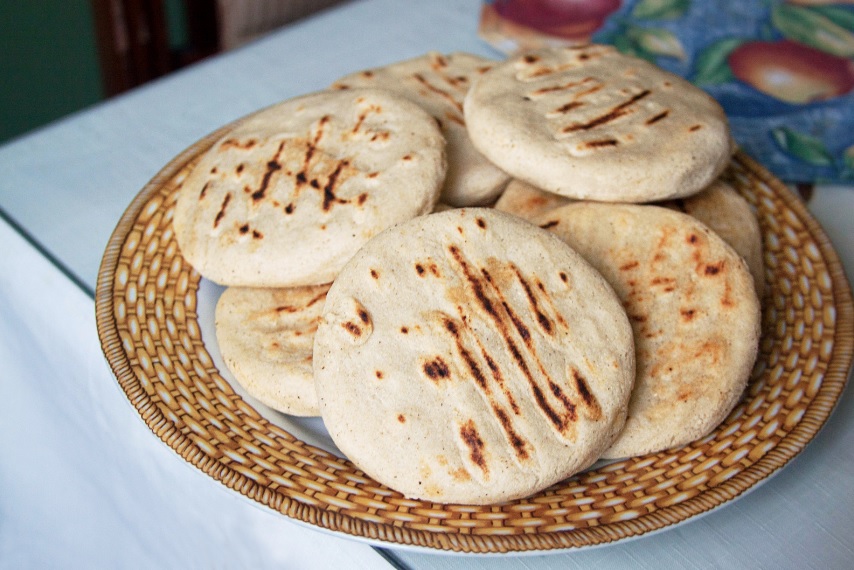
286,197
266,337
694,312
588,122
455,365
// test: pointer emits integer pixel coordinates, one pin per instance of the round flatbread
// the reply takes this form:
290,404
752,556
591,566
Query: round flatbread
471,357
439,83
289,195
730,216
266,337
591,123
693,307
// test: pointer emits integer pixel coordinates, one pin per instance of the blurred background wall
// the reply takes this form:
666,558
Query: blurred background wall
48,62
59,56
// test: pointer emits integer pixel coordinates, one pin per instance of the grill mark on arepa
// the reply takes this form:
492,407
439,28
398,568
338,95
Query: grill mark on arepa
615,113
454,119
472,440
301,177
560,87
329,197
517,442
563,422
447,97
364,115
544,322
602,143
236,143
539,73
437,369
498,377
438,61
352,328
221,214
658,117
468,359
273,166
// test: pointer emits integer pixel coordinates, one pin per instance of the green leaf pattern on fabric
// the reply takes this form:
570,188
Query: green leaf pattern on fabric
710,65
660,9
805,147
814,29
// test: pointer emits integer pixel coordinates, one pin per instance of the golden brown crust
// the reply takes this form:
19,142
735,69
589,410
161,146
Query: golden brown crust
693,308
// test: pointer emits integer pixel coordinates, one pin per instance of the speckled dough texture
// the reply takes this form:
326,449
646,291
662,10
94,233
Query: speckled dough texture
289,195
439,83
266,338
693,308
526,201
719,206
729,215
591,123
471,357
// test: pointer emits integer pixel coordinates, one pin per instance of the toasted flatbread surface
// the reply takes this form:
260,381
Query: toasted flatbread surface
693,308
719,206
454,365
527,201
266,337
289,195
439,83
729,215
591,123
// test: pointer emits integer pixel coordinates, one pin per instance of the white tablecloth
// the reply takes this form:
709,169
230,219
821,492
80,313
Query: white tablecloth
85,484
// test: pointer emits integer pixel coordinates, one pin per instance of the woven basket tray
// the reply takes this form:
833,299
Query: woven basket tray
146,304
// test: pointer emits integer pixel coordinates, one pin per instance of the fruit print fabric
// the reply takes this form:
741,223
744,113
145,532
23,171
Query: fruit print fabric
782,70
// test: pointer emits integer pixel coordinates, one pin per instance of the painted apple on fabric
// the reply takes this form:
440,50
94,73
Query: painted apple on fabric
572,19
791,71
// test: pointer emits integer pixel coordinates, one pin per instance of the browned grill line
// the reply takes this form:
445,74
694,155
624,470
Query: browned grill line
543,320
570,416
658,117
302,175
615,113
562,87
561,422
470,436
440,92
329,189
221,214
273,166
518,443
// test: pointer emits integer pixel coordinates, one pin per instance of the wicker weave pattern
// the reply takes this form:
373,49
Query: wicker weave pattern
146,308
